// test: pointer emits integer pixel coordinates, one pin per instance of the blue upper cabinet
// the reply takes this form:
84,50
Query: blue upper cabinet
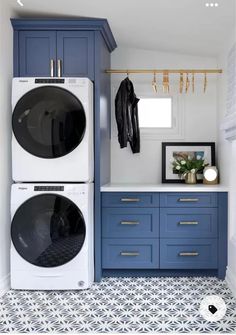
66,48
37,53
56,54
75,53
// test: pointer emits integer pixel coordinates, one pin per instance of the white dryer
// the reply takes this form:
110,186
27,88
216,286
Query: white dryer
52,123
52,236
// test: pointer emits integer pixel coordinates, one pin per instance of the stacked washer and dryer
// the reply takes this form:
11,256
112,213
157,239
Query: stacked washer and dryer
52,195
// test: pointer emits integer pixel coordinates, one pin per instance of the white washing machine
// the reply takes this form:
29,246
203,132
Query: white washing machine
52,236
52,123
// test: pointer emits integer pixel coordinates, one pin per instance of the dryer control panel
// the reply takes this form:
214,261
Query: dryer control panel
49,188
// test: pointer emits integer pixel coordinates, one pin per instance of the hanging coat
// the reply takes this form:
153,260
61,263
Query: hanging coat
126,110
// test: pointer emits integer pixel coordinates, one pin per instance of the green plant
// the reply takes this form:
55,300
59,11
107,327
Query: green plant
185,164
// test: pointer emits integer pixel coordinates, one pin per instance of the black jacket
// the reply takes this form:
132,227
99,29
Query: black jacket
126,108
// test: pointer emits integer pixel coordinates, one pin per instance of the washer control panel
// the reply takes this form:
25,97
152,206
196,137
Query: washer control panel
49,81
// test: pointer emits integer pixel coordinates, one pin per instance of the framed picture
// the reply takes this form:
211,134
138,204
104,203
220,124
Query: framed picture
176,150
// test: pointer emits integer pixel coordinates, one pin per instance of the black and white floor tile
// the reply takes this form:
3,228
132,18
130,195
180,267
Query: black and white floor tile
119,305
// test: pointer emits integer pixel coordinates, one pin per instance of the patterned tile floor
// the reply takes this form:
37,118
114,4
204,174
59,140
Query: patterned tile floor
119,305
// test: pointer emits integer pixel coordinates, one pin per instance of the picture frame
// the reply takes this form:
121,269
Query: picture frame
171,149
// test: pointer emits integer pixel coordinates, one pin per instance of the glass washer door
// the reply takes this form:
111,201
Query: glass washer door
48,230
49,122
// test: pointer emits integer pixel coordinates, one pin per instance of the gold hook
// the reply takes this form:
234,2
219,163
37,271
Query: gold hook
181,83
154,82
187,83
205,83
193,83
165,83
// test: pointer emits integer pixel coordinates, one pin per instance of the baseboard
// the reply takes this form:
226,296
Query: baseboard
4,284
231,280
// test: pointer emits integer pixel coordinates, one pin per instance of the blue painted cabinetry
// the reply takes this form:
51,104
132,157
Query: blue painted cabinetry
56,53
69,48
166,232
130,231
36,50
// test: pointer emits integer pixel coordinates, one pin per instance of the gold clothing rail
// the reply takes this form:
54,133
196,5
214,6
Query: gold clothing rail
165,71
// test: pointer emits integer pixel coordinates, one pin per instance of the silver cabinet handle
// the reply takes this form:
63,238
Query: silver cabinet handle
188,222
52,67
130,199
129,222
59,62
189,253
188,200
127,253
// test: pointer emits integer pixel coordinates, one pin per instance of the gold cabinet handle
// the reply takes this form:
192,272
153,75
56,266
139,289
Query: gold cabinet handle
130,199
127,253
189,253
188,222
52,67
188,200
59,62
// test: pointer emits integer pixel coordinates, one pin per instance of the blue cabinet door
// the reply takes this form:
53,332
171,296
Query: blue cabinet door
130,222
36,50
188,222
130,253
188,253
75,51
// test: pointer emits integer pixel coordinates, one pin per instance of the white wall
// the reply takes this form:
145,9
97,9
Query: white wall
6,39
200,112
227,162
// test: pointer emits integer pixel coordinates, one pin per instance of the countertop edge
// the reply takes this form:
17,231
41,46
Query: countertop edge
163,188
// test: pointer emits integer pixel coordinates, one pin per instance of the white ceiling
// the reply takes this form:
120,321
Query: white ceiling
185,26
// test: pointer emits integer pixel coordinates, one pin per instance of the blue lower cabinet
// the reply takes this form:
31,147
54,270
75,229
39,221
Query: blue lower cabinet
130,199
130,222
171,232
188,222
188,254
130,254
187,199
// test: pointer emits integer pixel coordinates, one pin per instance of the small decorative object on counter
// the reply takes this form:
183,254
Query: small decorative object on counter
190,178
210,175
188,167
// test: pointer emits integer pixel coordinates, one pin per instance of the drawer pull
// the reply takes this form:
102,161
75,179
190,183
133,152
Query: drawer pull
188,222
130,199
129,222
126,253
189,253
188,200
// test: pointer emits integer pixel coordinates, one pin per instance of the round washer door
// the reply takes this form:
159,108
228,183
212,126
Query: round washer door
49,122
48,230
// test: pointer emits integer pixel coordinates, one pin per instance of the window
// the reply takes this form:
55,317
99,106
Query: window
155,113
161,116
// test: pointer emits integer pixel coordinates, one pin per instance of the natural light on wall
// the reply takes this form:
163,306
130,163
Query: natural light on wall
155,112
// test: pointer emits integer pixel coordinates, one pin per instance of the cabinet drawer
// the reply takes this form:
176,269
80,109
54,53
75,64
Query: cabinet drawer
130,254
130,222
188,254
188,222
187,199
119,199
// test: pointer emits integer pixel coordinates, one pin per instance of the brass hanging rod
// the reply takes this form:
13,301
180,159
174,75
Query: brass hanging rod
165,71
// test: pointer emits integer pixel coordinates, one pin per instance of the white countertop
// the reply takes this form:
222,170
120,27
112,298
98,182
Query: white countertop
112,187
